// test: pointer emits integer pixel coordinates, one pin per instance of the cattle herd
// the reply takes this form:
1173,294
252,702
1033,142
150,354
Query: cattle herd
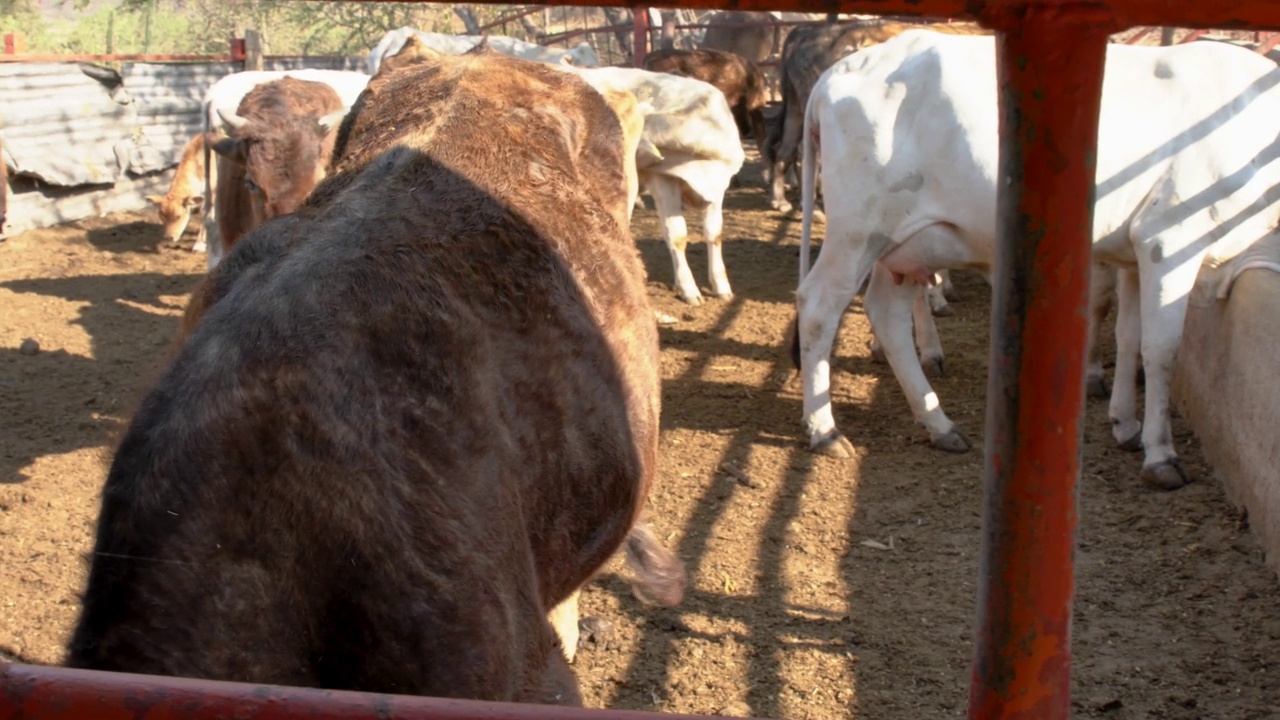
414,405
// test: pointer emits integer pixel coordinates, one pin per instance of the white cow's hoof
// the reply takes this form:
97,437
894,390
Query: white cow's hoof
694,300
1096,387
1167,475
1131,444
952,442
877,353
831,443
943,311
783,207
934,367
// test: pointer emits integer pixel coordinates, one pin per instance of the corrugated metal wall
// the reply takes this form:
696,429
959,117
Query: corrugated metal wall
80,129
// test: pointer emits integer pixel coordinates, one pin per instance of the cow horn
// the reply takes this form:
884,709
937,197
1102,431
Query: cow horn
231,120
333,119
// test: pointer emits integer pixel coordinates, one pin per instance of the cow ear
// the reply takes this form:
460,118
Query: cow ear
229,148
194,201
155,199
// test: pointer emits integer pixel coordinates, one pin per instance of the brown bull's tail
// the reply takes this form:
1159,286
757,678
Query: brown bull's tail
659,575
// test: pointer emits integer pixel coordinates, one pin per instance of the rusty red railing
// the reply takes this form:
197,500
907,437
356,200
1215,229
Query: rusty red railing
1050,56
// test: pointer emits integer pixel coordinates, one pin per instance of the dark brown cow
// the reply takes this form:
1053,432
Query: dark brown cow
808,51
755,36
279,145
739,79
417,414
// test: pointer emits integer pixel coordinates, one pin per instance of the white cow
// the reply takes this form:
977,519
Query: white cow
583,55
689,150
223,98
907,132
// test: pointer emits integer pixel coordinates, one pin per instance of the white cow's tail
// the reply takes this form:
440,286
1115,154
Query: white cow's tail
808,177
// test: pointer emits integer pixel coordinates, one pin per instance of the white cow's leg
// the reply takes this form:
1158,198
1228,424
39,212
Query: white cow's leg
564,618
713,228
889,308
1164,309
1102,288
213,240
926,332
948,288
1125,426
821,298
937,299
666,200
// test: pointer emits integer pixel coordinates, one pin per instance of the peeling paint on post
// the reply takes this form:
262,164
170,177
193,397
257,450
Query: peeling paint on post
1050,63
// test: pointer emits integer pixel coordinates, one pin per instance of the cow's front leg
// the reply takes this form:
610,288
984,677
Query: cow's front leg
889,308
713,229
666,200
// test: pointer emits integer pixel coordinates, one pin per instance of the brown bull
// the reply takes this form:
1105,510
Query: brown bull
279,146
418,413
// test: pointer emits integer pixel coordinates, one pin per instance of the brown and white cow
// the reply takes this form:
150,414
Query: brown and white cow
279,144
418,413
742,83
186,192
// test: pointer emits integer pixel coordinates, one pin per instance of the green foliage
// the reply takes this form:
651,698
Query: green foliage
288,27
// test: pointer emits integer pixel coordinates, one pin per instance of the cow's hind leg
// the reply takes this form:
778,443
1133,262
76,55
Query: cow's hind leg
784,158
666,200
564,618
1102,287
889,308
713,229
821,299
926,333
927,340
1163,294
1125,426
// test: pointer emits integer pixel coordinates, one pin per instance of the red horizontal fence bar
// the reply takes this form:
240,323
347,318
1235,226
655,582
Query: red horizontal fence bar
51,693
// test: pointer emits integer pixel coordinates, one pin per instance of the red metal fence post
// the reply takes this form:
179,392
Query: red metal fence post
640,42
1049,69
15,43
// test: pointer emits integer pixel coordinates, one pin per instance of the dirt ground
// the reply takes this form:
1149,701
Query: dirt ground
820,588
